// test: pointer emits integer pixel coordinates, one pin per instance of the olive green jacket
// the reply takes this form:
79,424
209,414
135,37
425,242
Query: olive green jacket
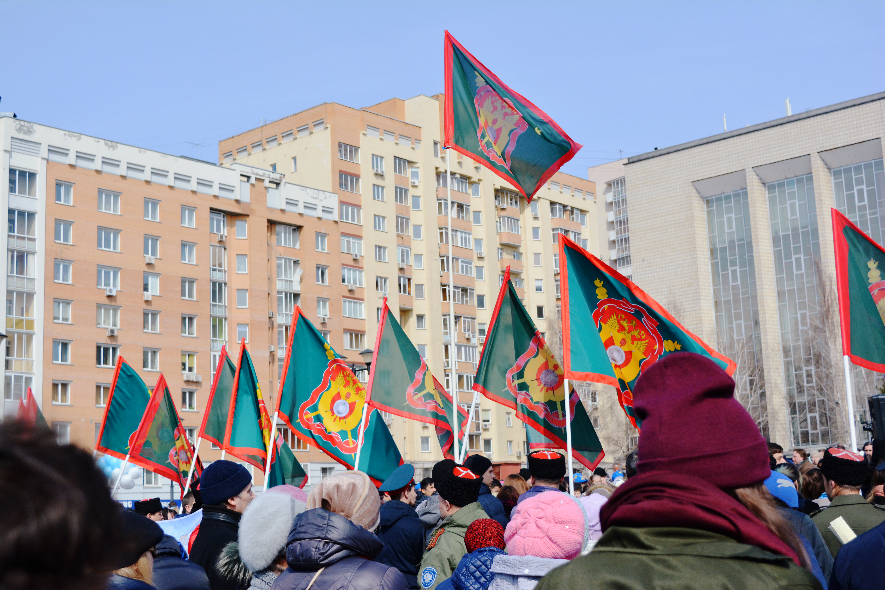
669,557
446,546
860,515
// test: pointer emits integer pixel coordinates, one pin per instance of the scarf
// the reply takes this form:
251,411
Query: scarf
665,499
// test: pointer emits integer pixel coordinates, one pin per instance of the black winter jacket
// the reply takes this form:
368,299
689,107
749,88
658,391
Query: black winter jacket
218,528
492,505
118,582
402,533
860,564
322,539
173,572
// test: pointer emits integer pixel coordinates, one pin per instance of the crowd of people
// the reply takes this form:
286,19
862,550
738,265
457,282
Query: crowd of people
704,501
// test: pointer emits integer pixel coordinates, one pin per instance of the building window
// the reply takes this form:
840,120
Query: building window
416,203
150,359
151,321
188,325
352,308
107,316
536,258
64,231
242,264
62,271
381,285
242,298
189,400
486,445
108,278
151,283
349,153
419,262
421,322
509,447
351,276
417,232
322,275
109,202
350,213
322,242
151,210
380,223
287,236
64,193
102,393
189,289
351,245
62,432
109,239
22,182
61,310
480,273
508,224
401,195
508,419
349,183
106,355
217,223
243,333
322,307
539,285
381,253
188,253
242,229
188,216
425,444
188,362
152,246
377,193
403,255
61,352
480,301
402,225
405,285
539,312
400,166
354,340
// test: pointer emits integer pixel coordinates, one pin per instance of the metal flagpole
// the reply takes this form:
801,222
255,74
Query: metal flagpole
453,382
223,453
119,477
568,436
849,393
190,474
270,447
467,430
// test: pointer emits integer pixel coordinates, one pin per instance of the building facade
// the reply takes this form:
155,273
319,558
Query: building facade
732,234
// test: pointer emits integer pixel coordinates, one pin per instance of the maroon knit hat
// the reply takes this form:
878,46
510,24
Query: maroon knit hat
692,425
484,532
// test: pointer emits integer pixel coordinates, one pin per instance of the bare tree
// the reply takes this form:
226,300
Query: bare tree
749,376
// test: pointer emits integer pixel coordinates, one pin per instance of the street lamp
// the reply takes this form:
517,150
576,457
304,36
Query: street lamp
367,356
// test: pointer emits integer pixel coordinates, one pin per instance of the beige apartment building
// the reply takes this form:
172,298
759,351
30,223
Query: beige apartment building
732,234
387,167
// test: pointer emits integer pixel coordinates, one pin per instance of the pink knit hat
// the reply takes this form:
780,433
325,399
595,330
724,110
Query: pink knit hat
551,525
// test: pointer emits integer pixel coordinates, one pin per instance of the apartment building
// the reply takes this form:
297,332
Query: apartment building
387,167
117,251
732,234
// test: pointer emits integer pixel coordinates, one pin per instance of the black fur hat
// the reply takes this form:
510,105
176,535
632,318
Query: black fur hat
547,465
843,467
459,486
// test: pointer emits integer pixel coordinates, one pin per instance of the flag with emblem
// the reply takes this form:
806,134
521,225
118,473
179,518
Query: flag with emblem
160,444
125,407
214,423
518,370
634,330
491,123
322,402
248,425
860,263
406,386
29,412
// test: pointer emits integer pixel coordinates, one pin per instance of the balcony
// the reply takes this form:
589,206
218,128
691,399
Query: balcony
509,239
218,309
21,243
289,284
515,265
217,274
566,223
21,283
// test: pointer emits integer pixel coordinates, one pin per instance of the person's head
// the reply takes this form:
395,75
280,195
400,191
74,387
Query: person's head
457,488
151,508
59,527
799,455
482,533
630,464
141,537
616,466
812,485
549,525
400,485
350,494
844,472
508,494
525,474
517,483
792,472
876,485
776,451
228,485
427,487
495,487
482,467
265,526
187,503
547,468
868,450
599,475
783,488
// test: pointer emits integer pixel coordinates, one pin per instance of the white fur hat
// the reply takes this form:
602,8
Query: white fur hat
265,527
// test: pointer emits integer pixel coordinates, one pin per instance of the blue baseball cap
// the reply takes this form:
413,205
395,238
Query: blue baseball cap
782,488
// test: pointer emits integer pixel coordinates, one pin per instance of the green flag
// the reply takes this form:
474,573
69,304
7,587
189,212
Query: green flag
214,424
493,124
160,444
322,402
122,416
518,370
284,467
859,265
29,412
406,386
634,330
246,423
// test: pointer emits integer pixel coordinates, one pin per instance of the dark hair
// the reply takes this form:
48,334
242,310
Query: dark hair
802,452
508,494
495,484
758,500
398,495
630,464
427,481
772,462
790,471
812,486
775,448
877,480
63,531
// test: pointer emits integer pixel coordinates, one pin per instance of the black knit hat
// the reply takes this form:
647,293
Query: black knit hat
843,467
140,534
149,506
547,465
459,486
600,472
478,464
440,469
222,480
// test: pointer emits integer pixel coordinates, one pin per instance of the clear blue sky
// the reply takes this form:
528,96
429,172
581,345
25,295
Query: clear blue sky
615,75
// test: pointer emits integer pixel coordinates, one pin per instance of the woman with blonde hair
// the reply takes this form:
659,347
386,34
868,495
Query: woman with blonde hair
517,483
136,563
